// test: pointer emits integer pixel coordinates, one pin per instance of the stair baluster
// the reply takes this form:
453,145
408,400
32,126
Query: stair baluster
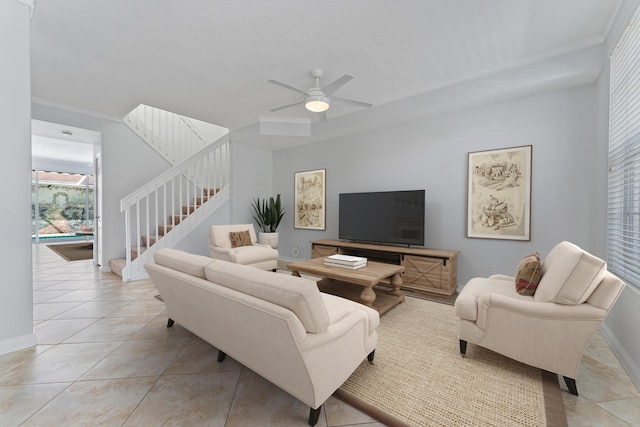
198,185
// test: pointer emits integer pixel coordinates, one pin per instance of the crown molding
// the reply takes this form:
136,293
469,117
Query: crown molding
73,109
29,3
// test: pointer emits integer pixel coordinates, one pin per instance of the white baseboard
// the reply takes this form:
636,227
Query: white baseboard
17,343
629,365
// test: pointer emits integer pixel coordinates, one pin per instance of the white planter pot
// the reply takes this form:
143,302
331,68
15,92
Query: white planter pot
270,239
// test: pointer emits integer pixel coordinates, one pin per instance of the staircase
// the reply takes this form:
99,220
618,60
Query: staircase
169,207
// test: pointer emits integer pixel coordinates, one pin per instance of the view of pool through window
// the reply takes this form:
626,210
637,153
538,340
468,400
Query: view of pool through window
61,205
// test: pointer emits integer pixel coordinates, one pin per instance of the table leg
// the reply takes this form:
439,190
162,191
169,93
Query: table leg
396,282
295,273
368,296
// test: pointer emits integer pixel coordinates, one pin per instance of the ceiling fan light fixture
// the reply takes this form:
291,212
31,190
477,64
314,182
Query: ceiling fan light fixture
316,103
317,99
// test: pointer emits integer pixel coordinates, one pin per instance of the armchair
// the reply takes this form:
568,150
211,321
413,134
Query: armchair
248,252
549,329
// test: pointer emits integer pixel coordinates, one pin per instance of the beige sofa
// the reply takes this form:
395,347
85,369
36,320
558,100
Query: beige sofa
281,327
549,329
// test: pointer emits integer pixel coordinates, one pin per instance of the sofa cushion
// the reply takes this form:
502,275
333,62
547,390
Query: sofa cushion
254,254
569,275
240,238
294,293
183,261
528,274
466,305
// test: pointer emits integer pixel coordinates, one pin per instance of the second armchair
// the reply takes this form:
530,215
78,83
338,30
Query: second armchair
237,243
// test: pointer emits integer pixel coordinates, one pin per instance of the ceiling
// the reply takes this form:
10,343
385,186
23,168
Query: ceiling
212,59
62,148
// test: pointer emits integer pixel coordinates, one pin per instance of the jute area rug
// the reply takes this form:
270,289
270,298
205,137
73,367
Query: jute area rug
73,251
419,378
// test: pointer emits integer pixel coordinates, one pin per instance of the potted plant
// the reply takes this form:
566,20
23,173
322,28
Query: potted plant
268,214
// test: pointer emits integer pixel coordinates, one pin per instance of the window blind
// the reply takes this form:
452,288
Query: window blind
623,221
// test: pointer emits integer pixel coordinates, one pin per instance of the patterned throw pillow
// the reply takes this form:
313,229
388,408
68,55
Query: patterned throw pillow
240,238
528,274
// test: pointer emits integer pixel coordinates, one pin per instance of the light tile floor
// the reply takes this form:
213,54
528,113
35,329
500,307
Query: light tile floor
105,357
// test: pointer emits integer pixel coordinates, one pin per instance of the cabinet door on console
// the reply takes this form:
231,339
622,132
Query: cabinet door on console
423,273
321,251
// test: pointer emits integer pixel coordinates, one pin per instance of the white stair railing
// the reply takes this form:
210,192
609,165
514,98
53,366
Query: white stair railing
166,209
174,136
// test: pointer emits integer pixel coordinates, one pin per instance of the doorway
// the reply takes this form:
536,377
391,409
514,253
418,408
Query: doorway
65,184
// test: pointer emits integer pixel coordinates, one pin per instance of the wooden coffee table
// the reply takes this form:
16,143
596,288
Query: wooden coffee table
340,281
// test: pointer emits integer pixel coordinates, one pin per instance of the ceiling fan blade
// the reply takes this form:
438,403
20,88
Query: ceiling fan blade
336,84
350,102
284,85
273,110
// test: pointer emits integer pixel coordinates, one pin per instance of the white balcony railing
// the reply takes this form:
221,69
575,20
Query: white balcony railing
174,136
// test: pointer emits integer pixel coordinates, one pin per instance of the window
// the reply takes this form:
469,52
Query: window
623,229
62,205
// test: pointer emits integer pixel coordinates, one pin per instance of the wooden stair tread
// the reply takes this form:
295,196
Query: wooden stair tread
118,264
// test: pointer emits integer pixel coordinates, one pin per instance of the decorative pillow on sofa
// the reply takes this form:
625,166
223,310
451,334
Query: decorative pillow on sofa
240,238
528,274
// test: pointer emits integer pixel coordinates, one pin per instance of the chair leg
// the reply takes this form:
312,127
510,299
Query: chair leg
571,385
463,347
370,356
221,356
314,415
170,323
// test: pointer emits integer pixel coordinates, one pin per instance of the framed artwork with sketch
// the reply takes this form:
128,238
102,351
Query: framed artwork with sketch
499,194
310,199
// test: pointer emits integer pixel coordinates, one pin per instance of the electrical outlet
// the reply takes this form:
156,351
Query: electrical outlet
492,269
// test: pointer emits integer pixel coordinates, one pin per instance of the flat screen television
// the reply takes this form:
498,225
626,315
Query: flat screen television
386,217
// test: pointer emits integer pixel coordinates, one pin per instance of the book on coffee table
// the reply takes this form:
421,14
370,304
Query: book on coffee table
345,261
349,267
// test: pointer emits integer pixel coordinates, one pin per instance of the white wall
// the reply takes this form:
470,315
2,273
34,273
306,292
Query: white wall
252,176
127,164
16,304
197,242
432,154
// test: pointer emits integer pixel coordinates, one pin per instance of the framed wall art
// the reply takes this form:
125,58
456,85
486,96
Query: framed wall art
310,199
499,194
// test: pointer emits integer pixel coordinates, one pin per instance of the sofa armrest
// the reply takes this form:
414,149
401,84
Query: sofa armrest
337,330
502,277
549,310
332,355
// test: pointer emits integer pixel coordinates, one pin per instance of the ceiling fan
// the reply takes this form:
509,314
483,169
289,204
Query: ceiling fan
318,99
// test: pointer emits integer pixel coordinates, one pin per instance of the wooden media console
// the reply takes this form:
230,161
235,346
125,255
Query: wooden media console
426,270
